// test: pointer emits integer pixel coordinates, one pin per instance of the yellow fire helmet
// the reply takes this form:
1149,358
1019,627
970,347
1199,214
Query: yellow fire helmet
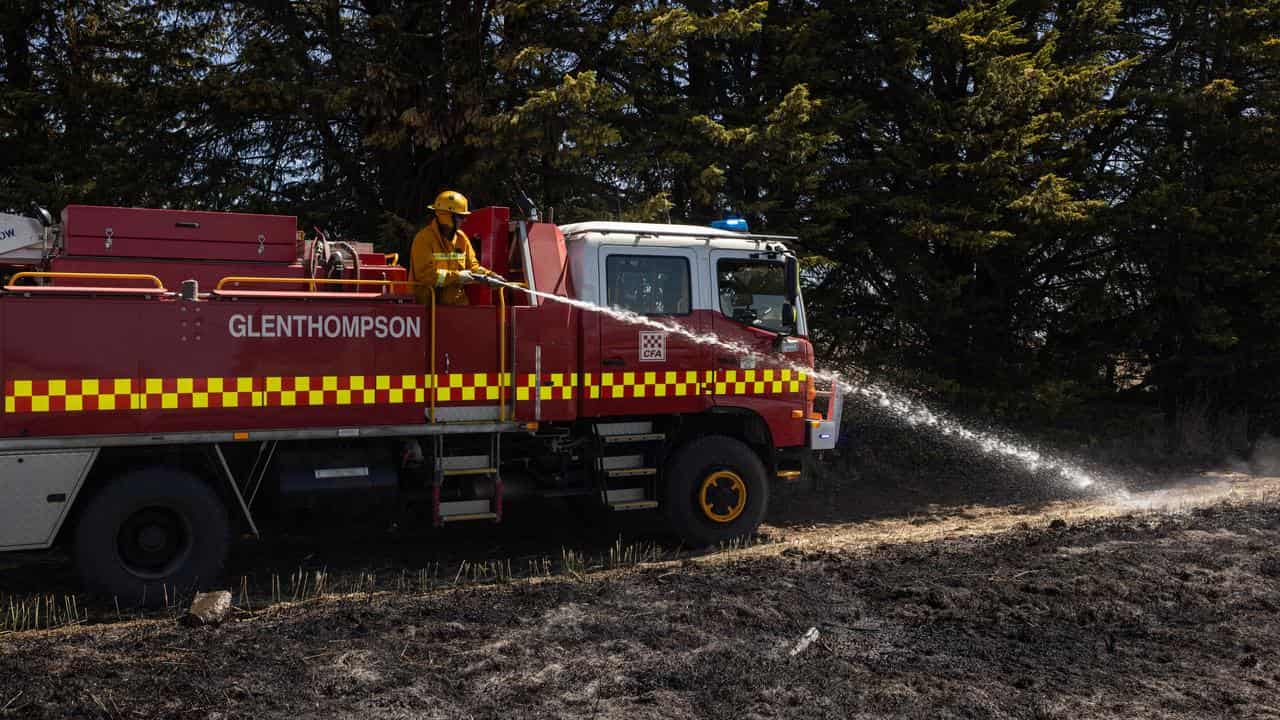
450,201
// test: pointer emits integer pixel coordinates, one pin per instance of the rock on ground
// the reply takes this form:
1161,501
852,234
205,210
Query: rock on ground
209,608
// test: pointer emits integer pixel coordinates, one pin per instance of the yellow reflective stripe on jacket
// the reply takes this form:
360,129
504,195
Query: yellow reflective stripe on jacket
449,256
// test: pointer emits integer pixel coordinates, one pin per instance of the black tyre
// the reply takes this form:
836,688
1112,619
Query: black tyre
152,532
717,490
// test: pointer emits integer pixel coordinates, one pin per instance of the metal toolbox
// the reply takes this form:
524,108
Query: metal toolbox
95,231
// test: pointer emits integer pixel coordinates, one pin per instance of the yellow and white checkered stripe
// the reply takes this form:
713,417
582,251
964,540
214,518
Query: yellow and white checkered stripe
198,393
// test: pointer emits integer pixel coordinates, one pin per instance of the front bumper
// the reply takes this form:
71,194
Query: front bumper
824,433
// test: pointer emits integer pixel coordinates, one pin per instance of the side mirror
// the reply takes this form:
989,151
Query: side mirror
793,280
789,316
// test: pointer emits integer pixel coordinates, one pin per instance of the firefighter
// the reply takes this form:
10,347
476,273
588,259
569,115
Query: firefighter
441,256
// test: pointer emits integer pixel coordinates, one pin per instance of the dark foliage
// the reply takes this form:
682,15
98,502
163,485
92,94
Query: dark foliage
1054,213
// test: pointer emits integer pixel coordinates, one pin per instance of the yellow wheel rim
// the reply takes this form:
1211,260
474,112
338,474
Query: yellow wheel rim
723,496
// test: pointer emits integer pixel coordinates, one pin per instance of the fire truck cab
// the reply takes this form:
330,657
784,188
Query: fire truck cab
176,379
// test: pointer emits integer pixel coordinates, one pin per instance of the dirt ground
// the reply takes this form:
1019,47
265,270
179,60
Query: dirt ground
979,602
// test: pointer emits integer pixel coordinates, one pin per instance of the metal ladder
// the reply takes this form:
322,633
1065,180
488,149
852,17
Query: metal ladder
627,453
470,465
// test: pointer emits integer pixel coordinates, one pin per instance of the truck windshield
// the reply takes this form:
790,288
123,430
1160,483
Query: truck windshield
752,292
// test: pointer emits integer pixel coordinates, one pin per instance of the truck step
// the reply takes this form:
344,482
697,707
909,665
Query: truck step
471,471
466,509
621,462
625,495
631,472
633,438
452,465
469,516
634,505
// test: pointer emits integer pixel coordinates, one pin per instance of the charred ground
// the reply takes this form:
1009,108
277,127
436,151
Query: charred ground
1162,605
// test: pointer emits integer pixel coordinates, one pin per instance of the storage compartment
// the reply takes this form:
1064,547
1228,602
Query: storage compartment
96,231
38,488
316,482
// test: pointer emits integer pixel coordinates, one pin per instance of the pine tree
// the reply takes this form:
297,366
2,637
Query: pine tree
963,196
98,100
1198,220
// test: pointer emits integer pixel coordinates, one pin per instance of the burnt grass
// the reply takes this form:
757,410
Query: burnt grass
1140,615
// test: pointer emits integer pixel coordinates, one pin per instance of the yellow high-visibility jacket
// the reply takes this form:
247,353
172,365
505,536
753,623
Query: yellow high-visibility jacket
436,263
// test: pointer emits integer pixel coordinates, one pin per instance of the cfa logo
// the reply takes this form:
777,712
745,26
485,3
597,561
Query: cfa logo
653,347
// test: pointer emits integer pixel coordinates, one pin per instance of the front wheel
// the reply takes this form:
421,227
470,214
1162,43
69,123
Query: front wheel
150,532
717,490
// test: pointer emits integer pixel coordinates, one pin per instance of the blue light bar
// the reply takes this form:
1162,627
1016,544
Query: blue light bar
735,224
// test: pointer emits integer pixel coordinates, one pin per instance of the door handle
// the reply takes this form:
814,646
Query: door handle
614,361
726,360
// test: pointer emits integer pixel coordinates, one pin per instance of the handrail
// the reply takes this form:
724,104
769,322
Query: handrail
431,391
502,354
247,280
391,258
86,276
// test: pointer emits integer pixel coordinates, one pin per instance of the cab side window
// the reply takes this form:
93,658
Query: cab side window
752,292
648,284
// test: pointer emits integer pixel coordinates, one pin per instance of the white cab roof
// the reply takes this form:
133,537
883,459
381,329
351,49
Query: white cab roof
623,233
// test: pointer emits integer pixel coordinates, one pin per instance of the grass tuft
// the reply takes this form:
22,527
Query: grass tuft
40,612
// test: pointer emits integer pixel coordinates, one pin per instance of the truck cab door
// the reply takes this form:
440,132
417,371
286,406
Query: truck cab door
643,370
749,295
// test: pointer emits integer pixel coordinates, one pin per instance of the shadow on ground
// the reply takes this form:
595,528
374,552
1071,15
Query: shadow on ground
892,475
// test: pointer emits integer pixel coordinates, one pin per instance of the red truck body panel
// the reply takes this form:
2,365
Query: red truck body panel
116,365
89,361
490,238
550,260
120,365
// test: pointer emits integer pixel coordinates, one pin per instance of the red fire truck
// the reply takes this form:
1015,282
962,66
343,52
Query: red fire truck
175,379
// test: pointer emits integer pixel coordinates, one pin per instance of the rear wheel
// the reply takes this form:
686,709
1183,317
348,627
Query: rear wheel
717,490
152,532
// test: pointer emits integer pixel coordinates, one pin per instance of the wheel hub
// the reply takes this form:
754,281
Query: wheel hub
153,540
723,496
